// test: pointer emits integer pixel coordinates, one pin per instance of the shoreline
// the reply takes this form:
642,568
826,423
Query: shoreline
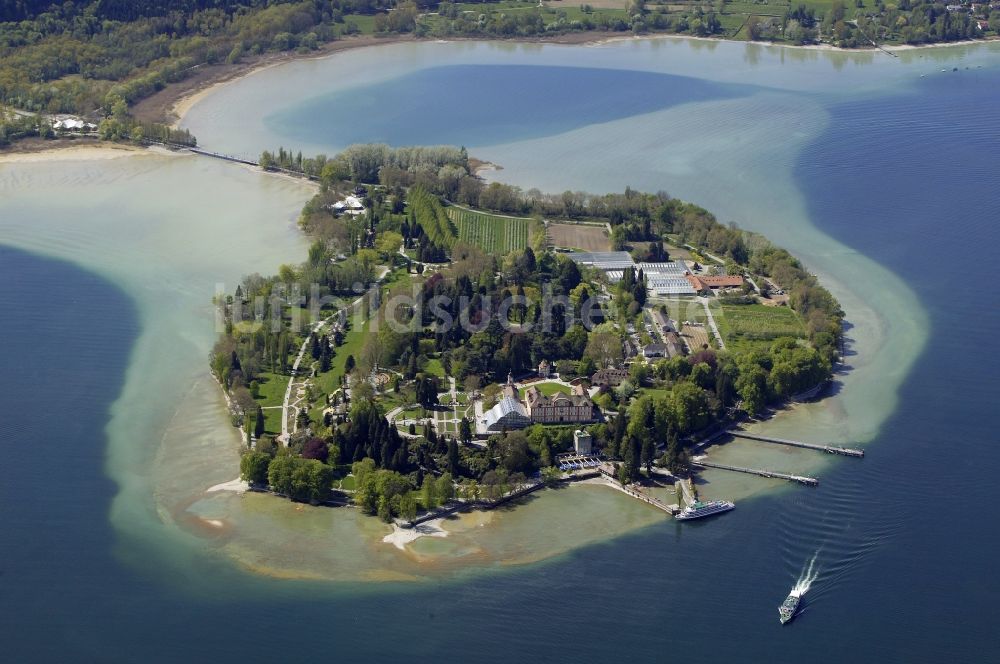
91,146
40,150
172,104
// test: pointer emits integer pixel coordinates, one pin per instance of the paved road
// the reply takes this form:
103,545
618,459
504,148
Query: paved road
711,323
285,434
291,382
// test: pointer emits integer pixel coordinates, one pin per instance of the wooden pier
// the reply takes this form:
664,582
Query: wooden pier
801,479
830,449
466,505
638,495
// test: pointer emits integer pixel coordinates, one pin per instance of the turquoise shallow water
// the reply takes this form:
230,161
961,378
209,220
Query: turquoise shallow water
902,540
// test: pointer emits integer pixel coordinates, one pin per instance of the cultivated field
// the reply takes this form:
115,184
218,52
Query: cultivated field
757,324
696,337
492,233
579,236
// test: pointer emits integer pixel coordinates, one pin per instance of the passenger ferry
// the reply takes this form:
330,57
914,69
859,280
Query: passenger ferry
699,509
788,608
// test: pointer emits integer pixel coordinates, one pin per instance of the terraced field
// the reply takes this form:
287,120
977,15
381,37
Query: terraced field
492,233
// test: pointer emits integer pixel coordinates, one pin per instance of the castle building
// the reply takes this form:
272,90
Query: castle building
559,408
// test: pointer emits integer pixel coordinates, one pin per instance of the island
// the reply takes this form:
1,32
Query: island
451,344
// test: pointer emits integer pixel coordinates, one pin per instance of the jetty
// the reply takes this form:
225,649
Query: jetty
801,479
467,505
607,471
830,449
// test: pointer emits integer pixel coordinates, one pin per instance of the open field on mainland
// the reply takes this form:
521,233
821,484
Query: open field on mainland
585,237
492,233
550,11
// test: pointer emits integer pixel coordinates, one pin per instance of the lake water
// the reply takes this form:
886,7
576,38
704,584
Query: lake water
882,174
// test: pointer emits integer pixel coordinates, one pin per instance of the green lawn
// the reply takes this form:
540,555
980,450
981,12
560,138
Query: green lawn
390,399
272,393
682,309
434,368
548,389
272,389
329,382
365,23
494,234
655,392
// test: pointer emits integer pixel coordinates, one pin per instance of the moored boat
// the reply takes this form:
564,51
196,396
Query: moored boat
698,509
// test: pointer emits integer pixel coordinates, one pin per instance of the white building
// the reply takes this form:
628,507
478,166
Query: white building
351,205
583,442
508,414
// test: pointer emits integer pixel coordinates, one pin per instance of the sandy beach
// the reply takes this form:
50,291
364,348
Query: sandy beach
42,151
400,537
237,486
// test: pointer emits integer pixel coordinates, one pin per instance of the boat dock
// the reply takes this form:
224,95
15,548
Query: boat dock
830,449
607,471
801,479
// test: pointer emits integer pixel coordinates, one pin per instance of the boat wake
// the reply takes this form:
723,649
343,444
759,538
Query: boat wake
806,578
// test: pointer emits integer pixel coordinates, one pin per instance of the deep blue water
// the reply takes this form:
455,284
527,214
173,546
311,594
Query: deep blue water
905,539
505,103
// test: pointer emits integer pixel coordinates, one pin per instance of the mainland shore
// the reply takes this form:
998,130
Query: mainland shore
37,150
171,104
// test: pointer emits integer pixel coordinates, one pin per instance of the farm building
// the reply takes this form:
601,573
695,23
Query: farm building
667,269
662,279
654,350
603,260
663,321
609,377
674,344
665,286
708,283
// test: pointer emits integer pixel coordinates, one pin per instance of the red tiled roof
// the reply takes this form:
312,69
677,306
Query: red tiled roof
719,281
